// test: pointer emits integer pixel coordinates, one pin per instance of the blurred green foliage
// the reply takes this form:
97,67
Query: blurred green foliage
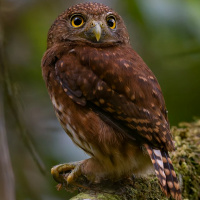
165,33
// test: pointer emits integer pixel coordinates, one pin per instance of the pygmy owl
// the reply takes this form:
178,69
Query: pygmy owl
106,99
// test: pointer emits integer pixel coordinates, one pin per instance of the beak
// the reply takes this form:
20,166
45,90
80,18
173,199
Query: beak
96,29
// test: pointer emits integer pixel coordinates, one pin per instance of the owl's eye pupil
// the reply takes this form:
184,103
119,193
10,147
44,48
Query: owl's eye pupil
77,21
111,22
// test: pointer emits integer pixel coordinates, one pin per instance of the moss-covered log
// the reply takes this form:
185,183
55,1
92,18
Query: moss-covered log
186,160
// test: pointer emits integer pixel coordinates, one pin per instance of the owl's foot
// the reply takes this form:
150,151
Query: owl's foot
67,172
87,174
84,172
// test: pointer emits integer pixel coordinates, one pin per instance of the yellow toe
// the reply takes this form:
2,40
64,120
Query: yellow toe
70,179
54,171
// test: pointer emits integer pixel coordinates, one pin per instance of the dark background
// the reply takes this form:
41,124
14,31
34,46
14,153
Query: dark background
165,33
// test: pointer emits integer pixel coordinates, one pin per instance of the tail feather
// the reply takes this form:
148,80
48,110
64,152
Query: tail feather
165,172
171,178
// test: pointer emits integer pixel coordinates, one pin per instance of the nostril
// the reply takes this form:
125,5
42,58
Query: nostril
92,24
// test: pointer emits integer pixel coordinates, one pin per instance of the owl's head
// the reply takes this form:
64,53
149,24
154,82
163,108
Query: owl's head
91,23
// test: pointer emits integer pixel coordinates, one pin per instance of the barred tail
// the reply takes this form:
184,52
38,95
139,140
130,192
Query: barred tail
165,172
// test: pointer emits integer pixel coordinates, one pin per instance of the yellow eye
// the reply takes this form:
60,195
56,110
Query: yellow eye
77,21
111,22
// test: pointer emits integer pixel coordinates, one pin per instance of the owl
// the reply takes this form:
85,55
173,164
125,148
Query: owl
106,98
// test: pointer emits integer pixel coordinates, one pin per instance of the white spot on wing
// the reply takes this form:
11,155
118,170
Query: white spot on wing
53,101
158,153
72,50
55,104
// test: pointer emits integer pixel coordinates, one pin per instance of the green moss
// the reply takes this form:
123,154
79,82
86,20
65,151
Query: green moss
82,196
91,195
186,159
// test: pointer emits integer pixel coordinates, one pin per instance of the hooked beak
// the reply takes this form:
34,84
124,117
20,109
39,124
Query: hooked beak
97,32
96,29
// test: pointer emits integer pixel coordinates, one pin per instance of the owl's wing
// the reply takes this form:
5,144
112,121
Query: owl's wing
118,85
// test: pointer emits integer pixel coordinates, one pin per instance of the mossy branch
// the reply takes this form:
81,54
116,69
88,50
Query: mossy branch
186,161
